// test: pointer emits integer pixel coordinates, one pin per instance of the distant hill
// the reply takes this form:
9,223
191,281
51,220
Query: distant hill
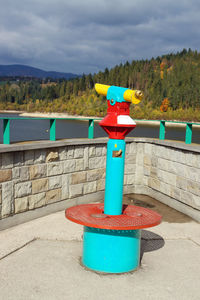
27,71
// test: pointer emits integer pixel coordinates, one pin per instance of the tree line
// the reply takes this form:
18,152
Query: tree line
174,77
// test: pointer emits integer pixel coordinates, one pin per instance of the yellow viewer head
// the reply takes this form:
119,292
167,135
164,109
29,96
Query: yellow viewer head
119,94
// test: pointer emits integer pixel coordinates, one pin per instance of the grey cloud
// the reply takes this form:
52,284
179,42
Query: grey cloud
85,36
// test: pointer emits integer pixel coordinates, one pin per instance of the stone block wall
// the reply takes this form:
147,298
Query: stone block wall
31,179
170,174
38,176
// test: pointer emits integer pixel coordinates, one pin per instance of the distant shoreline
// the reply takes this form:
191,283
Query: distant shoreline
55,115
10,111
66,115
46,115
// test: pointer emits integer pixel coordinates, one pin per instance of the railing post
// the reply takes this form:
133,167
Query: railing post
91,129
52,129
162,130
6,131
188,133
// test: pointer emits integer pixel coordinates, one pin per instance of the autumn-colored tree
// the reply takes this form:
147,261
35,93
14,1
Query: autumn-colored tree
165,105
162,65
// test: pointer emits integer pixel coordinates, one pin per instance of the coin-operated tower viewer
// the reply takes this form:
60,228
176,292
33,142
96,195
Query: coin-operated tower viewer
117,124
111,239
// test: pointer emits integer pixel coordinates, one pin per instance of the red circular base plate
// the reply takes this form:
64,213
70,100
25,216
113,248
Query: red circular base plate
133,217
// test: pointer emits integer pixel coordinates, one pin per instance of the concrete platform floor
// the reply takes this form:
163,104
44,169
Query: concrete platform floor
41,260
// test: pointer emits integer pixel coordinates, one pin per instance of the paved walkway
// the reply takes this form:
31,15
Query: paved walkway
41,260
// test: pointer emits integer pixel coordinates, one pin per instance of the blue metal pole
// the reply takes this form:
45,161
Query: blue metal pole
6,131
162,130
114,177
188,133
91,129
52,129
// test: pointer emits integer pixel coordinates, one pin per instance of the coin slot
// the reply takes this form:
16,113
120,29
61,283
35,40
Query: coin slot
117,153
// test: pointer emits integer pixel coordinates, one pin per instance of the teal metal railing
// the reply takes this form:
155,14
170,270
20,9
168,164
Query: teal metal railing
52,127
188,131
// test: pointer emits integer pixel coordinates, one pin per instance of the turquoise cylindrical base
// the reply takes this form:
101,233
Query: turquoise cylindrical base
111,251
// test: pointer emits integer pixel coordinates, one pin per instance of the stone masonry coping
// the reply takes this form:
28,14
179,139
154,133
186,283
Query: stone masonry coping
33,145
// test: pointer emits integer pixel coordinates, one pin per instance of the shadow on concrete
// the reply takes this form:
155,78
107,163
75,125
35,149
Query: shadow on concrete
168,214
150,242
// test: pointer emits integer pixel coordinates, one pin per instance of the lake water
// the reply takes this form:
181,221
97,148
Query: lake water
27,130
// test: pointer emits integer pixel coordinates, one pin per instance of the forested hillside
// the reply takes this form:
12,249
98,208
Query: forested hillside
27,71
173,77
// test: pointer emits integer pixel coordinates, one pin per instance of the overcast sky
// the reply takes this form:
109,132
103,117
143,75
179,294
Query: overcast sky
89,35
